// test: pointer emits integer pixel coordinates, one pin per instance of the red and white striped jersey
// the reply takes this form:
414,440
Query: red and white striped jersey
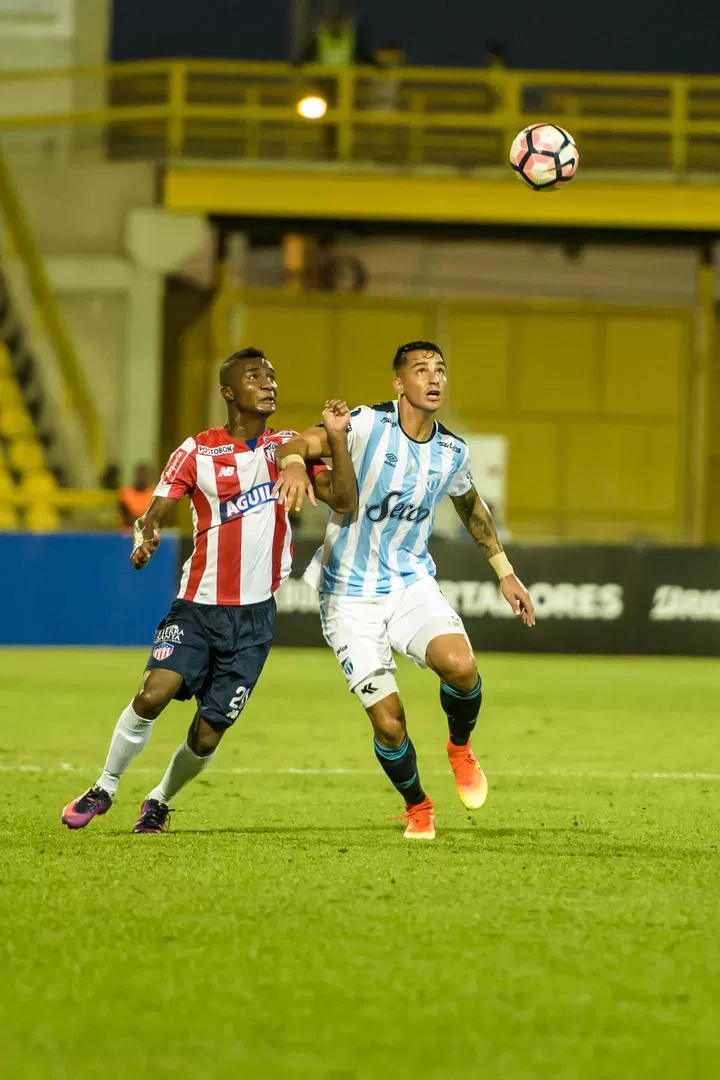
242,544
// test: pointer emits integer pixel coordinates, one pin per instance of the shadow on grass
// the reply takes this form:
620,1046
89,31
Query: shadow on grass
550,842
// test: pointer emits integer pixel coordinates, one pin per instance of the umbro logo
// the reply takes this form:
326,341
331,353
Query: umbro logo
368,688
391,459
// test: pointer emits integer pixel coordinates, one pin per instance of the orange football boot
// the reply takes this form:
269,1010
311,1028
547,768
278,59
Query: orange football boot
420,820
470,780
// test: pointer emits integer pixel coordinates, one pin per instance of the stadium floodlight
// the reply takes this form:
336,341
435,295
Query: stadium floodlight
312,107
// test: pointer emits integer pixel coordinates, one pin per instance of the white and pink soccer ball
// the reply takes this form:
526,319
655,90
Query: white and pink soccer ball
544,156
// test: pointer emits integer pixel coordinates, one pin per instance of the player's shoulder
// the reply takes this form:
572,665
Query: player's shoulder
450,441
213,442
381,413
278,437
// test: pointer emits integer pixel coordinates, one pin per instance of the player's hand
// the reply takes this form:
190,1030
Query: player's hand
518,598
336,417
292,487
144,548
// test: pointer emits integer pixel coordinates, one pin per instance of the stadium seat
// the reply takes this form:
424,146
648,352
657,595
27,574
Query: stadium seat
26,456
38,483
15,422
11,395
7,486
42,518
8,517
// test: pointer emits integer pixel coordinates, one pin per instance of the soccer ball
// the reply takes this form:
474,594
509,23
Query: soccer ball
544,156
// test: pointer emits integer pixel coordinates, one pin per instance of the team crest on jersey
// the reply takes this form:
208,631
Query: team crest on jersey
162,652
270,450
434,481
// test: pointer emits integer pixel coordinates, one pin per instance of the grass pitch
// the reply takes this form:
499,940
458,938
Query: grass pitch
284,928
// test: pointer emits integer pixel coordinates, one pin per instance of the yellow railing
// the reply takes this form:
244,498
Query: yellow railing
460,118
22,241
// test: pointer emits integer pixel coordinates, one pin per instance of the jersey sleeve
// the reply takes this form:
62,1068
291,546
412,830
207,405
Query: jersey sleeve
462,481
180,474
314,467
360,426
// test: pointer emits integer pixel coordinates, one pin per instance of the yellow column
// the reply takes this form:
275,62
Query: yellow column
700,399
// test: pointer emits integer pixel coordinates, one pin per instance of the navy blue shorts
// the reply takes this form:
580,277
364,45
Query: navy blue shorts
219,651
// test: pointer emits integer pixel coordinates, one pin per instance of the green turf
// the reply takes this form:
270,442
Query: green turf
284,928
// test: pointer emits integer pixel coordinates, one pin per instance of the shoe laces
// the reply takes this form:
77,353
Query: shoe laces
90,799
156,814
410,813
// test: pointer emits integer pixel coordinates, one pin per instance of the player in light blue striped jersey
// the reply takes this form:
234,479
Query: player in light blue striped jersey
376,576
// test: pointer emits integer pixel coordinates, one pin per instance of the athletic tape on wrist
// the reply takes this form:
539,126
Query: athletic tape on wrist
139,539
292,459
501,565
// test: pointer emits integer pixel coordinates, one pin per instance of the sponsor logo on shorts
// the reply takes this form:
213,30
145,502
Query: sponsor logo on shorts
341,650
248,500
171,633
216,451
368,688
162,652
346,665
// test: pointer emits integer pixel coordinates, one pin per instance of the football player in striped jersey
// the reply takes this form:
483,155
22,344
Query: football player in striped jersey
214,641
376,576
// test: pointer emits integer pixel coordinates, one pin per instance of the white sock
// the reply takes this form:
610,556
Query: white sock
130,736
183,768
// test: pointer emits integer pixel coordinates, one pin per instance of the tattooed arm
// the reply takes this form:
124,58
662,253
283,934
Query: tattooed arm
477,519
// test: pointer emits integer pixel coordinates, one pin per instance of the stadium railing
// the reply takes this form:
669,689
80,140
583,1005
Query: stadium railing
20,241
455,118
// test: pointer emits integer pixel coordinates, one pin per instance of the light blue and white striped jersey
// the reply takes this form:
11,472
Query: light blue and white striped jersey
383,546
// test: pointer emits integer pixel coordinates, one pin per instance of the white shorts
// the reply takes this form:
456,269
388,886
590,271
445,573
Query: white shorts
364,632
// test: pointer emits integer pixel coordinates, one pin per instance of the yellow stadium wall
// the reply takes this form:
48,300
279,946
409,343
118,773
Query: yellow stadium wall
593,400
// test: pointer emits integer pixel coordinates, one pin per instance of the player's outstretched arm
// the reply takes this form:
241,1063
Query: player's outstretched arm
294,483
146,531
337,487
476,517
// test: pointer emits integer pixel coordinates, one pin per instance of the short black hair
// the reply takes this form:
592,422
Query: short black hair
401,355
245,354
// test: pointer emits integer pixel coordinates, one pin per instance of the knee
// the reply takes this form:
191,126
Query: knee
388,724
459,669
149,702
203,739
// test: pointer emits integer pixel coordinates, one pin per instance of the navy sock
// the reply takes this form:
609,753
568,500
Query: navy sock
400,766
462,708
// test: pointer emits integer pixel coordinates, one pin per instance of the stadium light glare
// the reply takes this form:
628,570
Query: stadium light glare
312,107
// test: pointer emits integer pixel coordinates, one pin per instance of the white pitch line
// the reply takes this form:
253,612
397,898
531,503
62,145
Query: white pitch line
562,774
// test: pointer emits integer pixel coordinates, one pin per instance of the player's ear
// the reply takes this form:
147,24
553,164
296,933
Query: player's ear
227,393
398,386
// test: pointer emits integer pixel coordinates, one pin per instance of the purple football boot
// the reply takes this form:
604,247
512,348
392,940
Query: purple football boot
80,813
153,817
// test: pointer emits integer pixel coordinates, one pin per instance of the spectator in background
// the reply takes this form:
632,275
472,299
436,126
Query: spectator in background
495,55
107,516
135,497
337,41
